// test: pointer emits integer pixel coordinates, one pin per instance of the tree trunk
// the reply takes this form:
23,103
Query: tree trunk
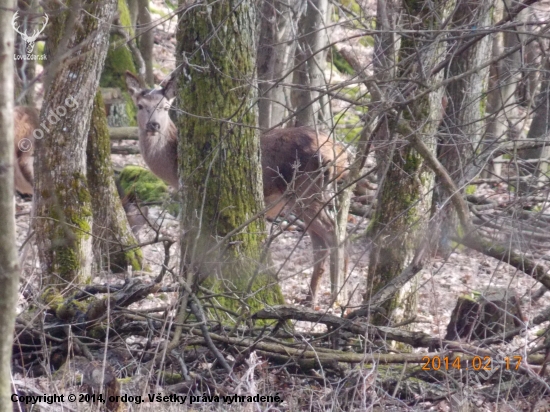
461,129
220,152
25,69
505,76
146,39
540,129
119,60
275,57
9,267
63,204
133,11
112,234
404,200
310,61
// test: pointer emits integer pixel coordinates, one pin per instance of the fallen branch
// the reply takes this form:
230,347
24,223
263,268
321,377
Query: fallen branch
123,133
125,150
507,255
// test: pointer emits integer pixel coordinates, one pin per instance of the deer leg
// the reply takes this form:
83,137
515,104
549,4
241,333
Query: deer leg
320,227
320,254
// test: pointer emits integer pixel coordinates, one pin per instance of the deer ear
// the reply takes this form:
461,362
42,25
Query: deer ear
133,84
169,88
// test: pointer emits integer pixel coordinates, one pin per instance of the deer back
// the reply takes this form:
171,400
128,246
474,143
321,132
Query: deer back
295,153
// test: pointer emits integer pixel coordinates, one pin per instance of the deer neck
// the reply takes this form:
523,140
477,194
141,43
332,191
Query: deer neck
159,150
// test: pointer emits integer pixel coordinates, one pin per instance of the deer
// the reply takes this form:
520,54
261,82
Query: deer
26,120
296,165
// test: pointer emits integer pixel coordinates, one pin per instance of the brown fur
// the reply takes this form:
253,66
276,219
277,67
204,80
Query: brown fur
297,164
26,121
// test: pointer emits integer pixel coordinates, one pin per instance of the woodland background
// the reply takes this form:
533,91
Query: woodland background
444,108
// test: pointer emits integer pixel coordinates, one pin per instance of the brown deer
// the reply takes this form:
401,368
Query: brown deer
26,120
319,161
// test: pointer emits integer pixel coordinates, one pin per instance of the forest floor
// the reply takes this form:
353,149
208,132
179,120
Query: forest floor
440,283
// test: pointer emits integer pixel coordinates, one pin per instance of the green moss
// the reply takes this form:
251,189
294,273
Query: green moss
352,5
97,332
39,50
260,293
70,310
341,64
143,184
124,16
170,378
367,41
119,60
52,298
470,189
156,10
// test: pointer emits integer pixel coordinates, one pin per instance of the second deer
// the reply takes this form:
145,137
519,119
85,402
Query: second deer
25,122
319,161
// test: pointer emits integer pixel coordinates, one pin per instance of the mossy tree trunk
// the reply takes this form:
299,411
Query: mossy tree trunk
403,210
219,150
63,205
113,237
119,60
462,127
9,265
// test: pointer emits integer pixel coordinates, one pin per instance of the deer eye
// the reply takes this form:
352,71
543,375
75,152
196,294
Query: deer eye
140,107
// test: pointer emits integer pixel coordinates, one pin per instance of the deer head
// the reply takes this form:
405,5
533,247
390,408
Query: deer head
30,39
153,105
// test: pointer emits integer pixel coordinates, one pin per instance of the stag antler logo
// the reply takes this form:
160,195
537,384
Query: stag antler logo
30,39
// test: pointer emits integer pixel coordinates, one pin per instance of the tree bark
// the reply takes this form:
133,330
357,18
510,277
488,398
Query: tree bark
505,76
540,129
113,237
461,130
275,56
220,151
146,39
402,214
9,266
63,204
119,60
310,61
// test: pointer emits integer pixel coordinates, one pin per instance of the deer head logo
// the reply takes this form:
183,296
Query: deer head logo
29,38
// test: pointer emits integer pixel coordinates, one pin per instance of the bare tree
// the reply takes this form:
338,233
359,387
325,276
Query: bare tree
9,265
310,62
276,49
219,152
63,205
146,38
462,128
401,219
